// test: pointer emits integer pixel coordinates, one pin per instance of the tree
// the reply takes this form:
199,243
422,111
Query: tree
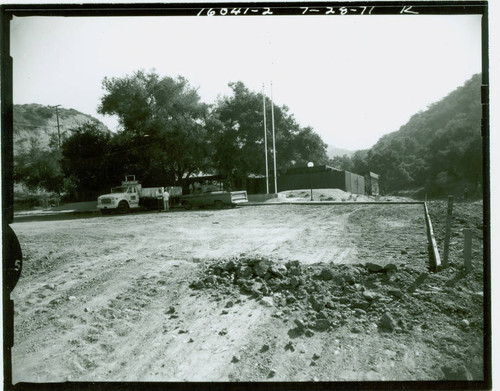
38,168
163,125
237,136
85,157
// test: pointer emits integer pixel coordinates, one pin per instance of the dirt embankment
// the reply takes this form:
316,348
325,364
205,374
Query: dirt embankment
274,293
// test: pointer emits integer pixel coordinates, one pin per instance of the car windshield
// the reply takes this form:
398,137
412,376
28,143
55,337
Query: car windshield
119,189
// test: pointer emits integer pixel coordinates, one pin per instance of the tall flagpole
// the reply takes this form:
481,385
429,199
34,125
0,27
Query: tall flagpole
274,142
265,138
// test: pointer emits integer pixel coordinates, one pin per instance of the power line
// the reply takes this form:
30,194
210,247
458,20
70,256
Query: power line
37,126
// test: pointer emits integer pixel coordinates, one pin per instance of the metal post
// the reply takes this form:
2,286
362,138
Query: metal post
274,142
310,165
58,130
448,231
468,250
265,139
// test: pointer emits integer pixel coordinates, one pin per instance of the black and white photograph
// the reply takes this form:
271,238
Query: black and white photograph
240,194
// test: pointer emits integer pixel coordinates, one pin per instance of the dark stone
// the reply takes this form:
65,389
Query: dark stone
230,266
373,267
294,281
369,295
290,346
275,272
264,348
294,271
217,270
252,261
419,281
256,294
321,315
291,264
300,324
322,324
326,274
360,304
386,322
349,278
171,310
198,285
309,333
261,269
355,330
390,267
235,359
211,280
229,304
245,272
396,293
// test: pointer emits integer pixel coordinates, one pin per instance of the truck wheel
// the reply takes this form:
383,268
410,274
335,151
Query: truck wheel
233,205
123,207
219,204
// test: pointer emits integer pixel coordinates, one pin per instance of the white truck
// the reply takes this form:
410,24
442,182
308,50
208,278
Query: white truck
131,195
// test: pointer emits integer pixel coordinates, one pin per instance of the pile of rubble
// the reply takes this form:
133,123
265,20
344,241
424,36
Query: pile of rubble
322,296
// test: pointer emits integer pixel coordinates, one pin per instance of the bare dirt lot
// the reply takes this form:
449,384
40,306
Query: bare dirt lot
256,293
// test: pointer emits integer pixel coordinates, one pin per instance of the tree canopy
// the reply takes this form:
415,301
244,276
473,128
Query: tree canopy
163,125
237,136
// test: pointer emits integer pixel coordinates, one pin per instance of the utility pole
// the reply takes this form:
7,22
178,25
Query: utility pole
265,138
58,129
274,142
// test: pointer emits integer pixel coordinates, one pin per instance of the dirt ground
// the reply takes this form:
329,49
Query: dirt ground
255,293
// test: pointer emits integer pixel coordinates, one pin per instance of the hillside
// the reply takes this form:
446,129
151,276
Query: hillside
36,125
439,150
333,151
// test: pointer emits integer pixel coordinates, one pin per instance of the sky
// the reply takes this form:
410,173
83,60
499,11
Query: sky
351,78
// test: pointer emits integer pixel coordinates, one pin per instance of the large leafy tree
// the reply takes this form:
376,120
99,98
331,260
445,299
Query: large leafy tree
85,158
163,137
237,136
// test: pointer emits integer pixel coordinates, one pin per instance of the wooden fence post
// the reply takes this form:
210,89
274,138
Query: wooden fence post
448,231
468,250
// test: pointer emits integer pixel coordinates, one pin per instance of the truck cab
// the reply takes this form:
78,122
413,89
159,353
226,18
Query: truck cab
122,198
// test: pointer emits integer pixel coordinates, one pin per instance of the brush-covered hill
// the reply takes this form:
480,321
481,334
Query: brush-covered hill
439,150
37,156
36,125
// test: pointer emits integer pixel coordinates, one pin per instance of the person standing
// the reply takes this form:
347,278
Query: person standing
166,199
159,198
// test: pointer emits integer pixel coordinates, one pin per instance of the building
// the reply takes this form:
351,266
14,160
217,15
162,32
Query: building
317,177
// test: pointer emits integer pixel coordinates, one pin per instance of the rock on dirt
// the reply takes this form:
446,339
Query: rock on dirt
267,301
387,323
326,274
374,267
